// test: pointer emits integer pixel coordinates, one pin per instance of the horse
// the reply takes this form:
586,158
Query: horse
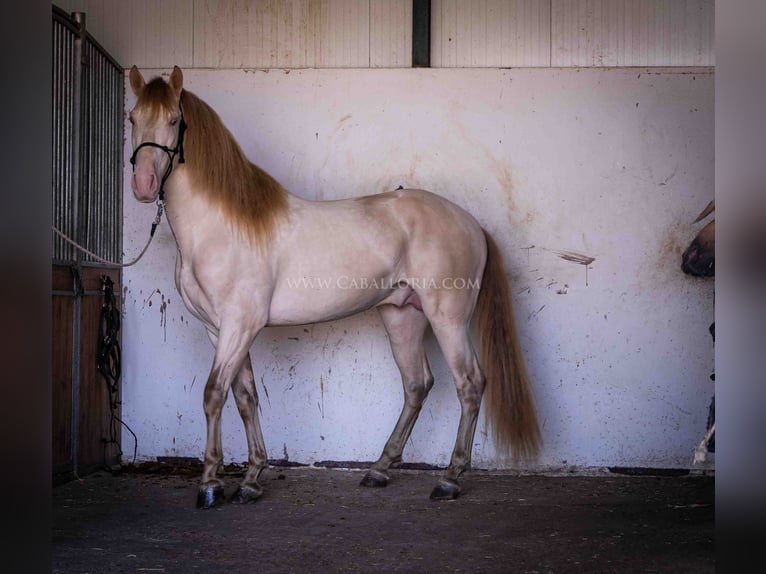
698,258
248,255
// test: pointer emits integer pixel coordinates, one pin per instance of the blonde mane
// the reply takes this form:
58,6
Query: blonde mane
218,168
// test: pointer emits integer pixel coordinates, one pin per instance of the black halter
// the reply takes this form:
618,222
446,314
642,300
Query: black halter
179,149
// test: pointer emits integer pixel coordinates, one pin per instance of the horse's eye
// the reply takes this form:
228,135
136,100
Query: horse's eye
173,121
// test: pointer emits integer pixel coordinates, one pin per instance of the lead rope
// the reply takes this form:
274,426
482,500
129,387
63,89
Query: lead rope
178,150
109,365
158,217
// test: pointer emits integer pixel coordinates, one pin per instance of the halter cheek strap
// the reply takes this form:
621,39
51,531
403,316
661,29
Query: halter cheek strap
172,152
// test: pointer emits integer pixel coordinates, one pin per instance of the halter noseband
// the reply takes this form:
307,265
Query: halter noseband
179,149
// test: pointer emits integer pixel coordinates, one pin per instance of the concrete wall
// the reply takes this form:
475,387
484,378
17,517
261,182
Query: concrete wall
613,164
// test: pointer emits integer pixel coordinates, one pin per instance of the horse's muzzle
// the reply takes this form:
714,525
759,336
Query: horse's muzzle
145,186
698,261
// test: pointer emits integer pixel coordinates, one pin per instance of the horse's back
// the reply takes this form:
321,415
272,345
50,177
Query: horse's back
414,220
421,212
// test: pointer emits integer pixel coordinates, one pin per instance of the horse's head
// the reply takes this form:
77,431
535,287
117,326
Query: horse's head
158,128
699,258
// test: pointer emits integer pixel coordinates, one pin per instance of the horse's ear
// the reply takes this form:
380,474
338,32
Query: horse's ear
137,82
177,81
705,212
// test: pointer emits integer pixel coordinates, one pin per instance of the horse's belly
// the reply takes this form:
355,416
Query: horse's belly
301,305
325,277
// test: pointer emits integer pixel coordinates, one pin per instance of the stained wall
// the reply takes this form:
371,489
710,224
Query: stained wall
558,164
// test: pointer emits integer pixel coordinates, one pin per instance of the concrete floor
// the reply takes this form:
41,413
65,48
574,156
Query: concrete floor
319,520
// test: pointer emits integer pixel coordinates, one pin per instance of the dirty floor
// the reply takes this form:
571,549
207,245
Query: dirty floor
320,520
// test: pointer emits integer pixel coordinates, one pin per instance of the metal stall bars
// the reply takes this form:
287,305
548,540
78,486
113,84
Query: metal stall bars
87,207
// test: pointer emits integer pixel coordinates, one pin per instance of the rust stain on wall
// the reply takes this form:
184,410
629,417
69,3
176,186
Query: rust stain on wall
321,391
164,316
575,257
148,300
534,314
265,390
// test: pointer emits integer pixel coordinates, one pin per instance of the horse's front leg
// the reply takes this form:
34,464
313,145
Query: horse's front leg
246,396
231,349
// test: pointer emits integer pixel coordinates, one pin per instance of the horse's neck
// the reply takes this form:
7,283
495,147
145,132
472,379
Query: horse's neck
190,215
194,220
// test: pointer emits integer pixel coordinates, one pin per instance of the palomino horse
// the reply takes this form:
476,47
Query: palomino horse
247,254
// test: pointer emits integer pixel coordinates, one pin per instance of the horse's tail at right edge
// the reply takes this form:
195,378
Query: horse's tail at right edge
509,403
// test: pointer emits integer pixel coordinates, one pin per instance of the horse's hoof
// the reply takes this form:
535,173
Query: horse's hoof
445,490
245,494
209,496
375,479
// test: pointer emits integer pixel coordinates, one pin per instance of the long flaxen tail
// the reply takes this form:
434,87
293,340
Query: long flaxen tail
509,403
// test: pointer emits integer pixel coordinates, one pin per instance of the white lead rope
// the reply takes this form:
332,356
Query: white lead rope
136,260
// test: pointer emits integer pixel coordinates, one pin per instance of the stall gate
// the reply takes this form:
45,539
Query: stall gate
87,207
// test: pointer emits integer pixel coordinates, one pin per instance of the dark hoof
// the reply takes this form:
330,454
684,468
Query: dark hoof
375,479
446,490
210,496
245,494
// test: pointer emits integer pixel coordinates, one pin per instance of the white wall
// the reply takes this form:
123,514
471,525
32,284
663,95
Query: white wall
252,33
378,33
614,164
582,33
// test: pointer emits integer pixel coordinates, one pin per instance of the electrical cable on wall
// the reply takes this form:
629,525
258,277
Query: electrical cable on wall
109,365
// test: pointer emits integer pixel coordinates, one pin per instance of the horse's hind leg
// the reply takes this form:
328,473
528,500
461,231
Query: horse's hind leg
406,327
246,397
469,380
